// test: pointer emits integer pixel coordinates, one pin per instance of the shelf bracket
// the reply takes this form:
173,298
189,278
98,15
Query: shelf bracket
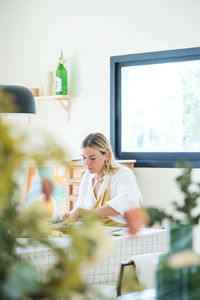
63,99
66,106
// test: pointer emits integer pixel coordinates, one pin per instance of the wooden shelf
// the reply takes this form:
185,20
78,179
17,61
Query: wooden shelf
55,97
64,100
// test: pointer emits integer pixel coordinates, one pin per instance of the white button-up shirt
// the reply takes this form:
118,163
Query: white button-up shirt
124,191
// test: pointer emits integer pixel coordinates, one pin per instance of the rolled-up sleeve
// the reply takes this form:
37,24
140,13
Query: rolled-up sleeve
82,193
124,191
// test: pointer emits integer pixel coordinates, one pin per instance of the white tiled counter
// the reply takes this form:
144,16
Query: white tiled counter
42,257
147,240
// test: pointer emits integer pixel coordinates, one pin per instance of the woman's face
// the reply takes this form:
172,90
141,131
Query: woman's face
94,160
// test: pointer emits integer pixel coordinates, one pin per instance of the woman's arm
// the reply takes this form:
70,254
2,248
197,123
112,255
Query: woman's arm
105,211
73,214
125,193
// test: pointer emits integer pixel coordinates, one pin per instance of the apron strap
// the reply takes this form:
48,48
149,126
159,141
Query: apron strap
105,197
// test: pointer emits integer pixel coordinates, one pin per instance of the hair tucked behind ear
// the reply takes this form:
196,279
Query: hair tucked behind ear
100,142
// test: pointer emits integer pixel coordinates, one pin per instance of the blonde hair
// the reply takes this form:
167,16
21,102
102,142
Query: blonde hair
100,142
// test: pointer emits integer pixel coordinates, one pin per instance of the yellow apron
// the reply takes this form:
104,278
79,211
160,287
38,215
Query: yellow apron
105,197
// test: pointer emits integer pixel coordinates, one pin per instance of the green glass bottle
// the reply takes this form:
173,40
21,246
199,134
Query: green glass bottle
61,77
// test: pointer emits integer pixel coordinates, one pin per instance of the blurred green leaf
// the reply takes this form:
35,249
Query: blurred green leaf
191,194
21,280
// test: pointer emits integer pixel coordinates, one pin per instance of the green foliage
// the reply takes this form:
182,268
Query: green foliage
191,192
156,215
18,279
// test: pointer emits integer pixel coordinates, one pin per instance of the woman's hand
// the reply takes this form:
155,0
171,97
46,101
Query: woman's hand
64,217
76,215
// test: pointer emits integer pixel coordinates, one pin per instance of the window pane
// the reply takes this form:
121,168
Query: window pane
160,107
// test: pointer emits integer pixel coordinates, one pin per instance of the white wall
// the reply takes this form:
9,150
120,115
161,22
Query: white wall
32,32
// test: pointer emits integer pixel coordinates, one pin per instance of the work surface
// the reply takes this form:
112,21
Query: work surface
147,240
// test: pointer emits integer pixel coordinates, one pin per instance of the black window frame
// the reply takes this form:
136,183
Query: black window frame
145,159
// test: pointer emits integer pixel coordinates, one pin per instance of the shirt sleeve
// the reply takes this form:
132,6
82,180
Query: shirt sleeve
125,193
82,191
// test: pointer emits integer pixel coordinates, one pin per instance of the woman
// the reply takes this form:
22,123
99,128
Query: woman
107,188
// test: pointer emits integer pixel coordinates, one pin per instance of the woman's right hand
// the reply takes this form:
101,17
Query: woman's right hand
65,217
73,216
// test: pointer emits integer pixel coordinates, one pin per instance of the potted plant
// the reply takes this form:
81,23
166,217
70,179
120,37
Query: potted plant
178,271
18,278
